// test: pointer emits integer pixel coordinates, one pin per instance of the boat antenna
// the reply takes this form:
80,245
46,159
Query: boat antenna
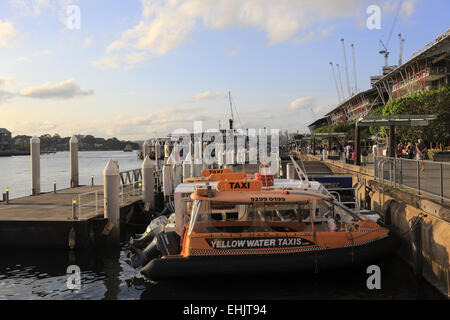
231,109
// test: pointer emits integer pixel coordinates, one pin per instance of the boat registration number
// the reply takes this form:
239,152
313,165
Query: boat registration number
267,199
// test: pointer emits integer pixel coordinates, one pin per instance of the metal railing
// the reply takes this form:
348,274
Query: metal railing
130,176
129,192
89,202
423,176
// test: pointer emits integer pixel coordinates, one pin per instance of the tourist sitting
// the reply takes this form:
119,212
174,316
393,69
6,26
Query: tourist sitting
334,223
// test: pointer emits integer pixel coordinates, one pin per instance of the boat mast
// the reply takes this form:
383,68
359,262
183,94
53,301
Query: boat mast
231,109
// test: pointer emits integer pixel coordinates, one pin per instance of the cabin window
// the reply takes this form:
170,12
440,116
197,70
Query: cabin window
214,217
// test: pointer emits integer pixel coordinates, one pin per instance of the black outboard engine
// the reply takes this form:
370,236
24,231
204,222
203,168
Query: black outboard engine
162,245
155,228
168,244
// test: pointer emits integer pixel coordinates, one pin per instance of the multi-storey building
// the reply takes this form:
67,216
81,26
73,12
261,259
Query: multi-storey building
5,142
428,68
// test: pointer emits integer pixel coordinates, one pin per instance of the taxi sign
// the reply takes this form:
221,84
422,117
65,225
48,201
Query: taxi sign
239,185
208,172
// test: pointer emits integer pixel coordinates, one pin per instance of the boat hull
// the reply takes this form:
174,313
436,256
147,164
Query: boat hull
195,266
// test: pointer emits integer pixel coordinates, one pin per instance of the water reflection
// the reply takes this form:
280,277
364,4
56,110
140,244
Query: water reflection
105,275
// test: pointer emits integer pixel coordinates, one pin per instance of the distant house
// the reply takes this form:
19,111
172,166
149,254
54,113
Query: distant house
5,142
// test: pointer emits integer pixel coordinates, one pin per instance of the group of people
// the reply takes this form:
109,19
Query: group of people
419,151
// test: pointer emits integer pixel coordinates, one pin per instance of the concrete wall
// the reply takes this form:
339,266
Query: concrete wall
404,206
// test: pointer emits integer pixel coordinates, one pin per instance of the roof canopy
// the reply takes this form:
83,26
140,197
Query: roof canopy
396,120
330,134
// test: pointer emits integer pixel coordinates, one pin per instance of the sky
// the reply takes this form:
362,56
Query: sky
137,69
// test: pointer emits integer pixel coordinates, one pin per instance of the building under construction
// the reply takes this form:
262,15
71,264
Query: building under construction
428,68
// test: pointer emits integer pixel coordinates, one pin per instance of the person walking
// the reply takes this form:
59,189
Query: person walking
421,150
399,150
409,151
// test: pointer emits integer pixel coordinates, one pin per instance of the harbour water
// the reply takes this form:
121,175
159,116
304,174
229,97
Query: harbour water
106,275
15,171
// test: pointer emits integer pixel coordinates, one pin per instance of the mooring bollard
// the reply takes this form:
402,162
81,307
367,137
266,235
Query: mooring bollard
74,210
167,180
187,167
177,175
157,152
73,162
54,186
145,149
111,191
148,183
35,154
166,150
290,171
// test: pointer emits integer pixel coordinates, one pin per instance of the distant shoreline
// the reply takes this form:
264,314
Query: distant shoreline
27,153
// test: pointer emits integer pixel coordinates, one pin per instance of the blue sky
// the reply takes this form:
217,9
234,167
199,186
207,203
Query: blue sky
136,69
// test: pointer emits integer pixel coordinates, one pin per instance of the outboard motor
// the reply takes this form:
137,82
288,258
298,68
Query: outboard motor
154,228
162,245
168,243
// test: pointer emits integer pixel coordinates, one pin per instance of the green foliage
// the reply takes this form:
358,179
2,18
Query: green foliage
86,143
436,101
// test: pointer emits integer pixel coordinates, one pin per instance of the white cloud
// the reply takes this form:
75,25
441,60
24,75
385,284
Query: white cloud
304,38
36,7
64,90
23,59
30,7
303,103
235,51
166,25
208,95
407,8
6,82
7,33
88,42
45,52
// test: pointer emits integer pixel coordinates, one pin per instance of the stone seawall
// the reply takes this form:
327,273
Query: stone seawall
422,222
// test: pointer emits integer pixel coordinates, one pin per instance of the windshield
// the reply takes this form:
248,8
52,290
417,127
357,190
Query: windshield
216,217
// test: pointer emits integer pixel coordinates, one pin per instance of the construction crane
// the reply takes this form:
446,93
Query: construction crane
346,69
401,48
335,82
354,67
385,51
340,81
